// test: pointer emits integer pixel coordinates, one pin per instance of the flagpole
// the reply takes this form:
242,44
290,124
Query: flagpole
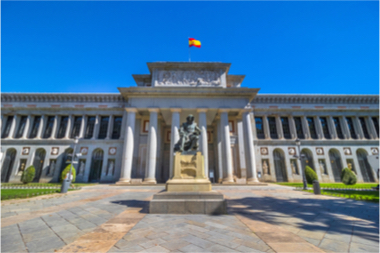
189,50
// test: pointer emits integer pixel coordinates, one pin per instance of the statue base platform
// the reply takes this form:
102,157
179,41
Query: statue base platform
188,185
211,202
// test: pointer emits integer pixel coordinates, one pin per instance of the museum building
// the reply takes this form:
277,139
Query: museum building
128,137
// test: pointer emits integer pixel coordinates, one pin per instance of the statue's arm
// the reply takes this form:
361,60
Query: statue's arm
198,130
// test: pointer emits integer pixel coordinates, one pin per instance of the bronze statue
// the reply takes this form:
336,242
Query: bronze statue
189,134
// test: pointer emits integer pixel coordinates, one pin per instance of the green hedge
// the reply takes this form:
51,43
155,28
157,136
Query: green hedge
348,177
310,175
67,170
28,175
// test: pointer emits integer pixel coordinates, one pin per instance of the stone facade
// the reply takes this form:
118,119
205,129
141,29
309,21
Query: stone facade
246,137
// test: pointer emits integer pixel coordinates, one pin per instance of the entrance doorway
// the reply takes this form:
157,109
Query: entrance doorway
365,168
9,161
308,159
279,165
38,163
65,158
336,164
96,165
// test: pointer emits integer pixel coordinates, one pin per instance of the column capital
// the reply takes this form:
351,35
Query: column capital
175,109
202,110
154,110
222,110
131,109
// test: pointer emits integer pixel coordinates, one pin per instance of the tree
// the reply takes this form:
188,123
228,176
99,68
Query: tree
310,175
348,177
28,175
67,170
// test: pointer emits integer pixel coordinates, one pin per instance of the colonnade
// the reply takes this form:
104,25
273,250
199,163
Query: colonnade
223,142
42,132
318,127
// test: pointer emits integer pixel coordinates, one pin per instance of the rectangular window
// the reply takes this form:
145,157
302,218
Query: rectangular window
21,127
376,123
103,127
259,128
62,127
116,127
35,126
49,127
364,127
325,128
313,132
90,127
272,127
285,127
338,128
299,130
76,126
7,127
351,128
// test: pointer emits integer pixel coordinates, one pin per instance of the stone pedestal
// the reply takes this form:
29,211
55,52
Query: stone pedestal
189,174
189,191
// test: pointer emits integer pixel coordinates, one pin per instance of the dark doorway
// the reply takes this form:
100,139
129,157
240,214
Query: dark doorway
279,166
336,164
96,165
8,163
66,160
365,168
38,163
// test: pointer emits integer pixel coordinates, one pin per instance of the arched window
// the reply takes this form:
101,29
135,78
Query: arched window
96,165
8,163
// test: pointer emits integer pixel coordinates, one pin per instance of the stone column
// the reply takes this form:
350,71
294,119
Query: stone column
266,127
174,137
109,127
305,127
318,127
371,127
226,145
96,128
17,125
41,127
242,149
251,158
2,123
203,138
13,127
346,131
27,126
331,126
123,125
54,129
82,126
126,166
220,151
280,131
150,174
292,128
69,121
359,128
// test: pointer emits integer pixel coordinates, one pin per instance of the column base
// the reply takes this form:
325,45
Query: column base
123,181
252,180
228,181
149,181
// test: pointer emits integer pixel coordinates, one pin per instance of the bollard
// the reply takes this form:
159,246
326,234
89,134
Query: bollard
316,187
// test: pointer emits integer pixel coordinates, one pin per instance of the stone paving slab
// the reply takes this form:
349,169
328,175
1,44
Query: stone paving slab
261,219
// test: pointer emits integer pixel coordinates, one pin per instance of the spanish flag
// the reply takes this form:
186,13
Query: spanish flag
194,42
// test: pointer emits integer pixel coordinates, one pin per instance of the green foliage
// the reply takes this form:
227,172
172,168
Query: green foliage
28,175
67,170
348,177
310,175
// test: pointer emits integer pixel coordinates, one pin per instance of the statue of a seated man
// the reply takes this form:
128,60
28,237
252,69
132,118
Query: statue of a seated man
189,134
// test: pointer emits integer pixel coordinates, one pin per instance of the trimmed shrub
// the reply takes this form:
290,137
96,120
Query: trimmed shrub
348,177
67,170
28,175
310,175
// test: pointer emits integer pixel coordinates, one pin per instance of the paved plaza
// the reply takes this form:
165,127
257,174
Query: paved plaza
269,218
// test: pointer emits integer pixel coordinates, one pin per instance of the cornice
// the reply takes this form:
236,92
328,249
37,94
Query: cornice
314,99
61,97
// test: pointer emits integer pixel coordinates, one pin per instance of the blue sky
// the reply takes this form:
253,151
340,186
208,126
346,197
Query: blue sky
281,47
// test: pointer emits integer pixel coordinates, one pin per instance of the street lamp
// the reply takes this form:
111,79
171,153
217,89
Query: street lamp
67,181
298,143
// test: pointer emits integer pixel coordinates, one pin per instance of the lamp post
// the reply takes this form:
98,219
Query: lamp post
298,143
67,181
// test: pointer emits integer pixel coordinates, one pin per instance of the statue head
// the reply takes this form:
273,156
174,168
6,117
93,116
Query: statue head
190,118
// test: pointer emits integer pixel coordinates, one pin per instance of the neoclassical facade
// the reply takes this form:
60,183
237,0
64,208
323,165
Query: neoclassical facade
128,137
